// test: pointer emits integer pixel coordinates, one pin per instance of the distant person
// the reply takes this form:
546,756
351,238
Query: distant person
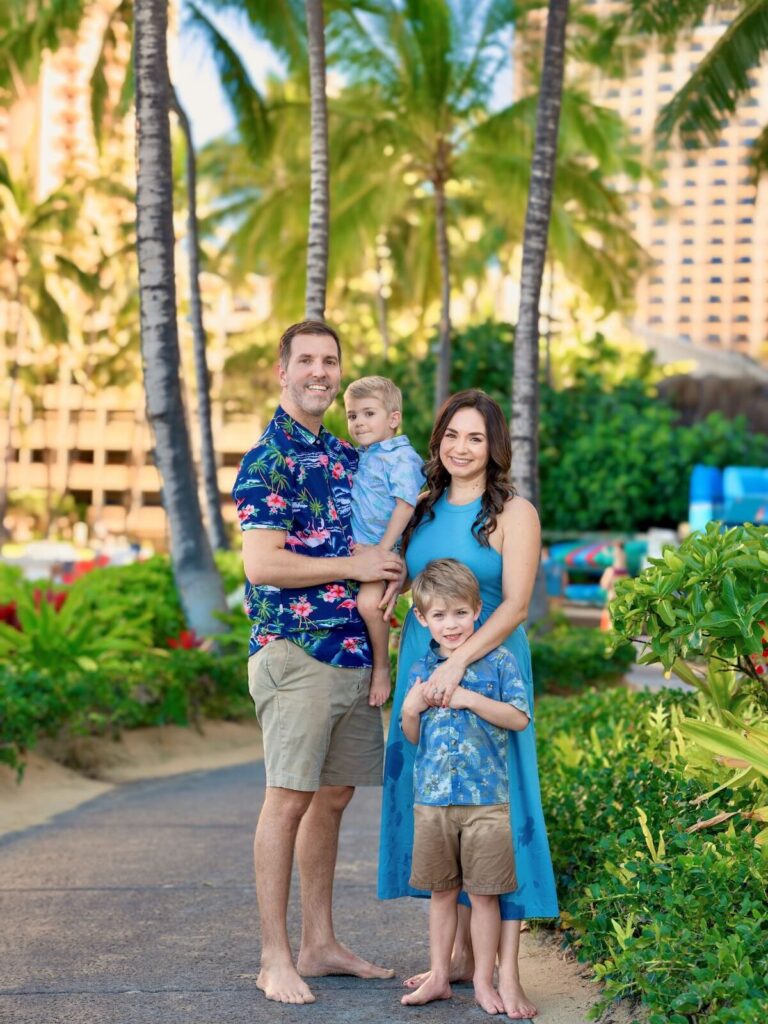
384,491
617,570
462,831
310,662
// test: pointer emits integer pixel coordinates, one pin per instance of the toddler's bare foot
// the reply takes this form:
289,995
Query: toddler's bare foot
337,959
428,992
488,998
517,1005
462,969
381,687
283,985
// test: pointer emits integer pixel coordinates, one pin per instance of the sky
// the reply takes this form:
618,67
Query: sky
197,83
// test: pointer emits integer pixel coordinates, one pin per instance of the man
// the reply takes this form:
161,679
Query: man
309,663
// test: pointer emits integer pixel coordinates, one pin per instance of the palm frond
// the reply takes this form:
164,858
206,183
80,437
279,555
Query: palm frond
758,157
245,100
720,79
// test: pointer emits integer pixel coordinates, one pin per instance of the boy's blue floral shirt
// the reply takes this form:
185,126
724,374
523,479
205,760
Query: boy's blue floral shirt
461,758
295,481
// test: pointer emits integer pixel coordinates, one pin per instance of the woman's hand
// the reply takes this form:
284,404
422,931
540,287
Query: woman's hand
391,594
442,683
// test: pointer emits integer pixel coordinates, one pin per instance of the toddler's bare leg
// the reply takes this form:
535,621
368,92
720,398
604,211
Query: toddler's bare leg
517,1005
368,599
486,928
442,930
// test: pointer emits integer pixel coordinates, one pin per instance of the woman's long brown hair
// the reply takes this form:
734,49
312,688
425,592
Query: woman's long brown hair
498,484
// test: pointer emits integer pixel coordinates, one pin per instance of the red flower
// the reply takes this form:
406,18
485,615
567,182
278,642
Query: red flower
8,615
301,608
338,471
275,502
244,512
187,640
350,644
334,591
323,460
264,638
54,599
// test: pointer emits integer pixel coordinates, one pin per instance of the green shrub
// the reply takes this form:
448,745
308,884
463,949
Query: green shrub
568,658
674,917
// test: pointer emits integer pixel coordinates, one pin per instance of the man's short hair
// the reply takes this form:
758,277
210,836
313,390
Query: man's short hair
382,388
447,580
317,327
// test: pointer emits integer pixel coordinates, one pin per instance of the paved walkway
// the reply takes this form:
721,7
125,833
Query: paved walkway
138,908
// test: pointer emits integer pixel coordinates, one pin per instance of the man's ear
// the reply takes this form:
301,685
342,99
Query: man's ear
477,613
281,374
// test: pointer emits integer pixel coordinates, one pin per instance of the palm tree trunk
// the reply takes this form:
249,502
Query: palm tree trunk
216,530
198,582
443,378
319,200
525,386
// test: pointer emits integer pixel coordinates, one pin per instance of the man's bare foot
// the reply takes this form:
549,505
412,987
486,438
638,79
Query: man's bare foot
462,969
428,992
338,959
284,985
517,1005
488,998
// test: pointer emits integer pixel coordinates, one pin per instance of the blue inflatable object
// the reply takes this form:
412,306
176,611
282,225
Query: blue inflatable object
585,593
737,494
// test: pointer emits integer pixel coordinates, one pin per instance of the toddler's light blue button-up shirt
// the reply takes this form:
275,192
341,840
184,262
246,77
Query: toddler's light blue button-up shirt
386,471
461,758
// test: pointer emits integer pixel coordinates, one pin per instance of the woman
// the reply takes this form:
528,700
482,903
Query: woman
470,512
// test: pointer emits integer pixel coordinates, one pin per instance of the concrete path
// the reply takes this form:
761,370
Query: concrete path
138,908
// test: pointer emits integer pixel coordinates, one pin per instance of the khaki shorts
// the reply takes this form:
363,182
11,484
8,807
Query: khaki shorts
319,729
469,847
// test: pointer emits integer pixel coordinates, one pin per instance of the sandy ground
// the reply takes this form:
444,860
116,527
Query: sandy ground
62,775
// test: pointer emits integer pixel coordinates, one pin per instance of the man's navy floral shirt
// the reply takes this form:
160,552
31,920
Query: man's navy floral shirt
295,481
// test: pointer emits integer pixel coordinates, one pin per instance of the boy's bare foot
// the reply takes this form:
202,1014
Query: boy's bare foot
283,985
337,959
462,969
517,1005
428,992
488,998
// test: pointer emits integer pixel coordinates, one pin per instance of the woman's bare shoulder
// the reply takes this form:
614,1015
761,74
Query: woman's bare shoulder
518,509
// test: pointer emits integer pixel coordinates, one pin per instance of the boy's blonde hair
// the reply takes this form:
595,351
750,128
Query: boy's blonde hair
376,387
447,580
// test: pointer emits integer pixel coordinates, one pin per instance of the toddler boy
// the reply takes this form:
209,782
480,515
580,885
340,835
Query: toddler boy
462,833
384,492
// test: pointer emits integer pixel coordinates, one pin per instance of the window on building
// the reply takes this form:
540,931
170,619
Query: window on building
746,201
689,183
688,202
686,280
684,319
83,455
713,298
715,280
715,241
82,497
741,299
717,222
686,260
713,337
114,457
742,318
687,241
750,122
231,459
688,222
655,320
743,280
667,87
151,499
744,241
744,259
656,300
741,338
745,220
719,181
38,455
657,280
716,259
713,318
114,497
720,162
685,299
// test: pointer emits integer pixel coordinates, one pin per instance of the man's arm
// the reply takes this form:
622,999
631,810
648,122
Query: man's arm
268,561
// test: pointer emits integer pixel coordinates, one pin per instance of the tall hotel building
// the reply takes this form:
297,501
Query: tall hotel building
705,225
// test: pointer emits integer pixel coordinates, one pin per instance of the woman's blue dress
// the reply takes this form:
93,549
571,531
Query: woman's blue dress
449,535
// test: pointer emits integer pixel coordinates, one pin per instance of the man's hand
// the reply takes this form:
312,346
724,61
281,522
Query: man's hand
374,563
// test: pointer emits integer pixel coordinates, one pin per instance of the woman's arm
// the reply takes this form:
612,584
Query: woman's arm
520,550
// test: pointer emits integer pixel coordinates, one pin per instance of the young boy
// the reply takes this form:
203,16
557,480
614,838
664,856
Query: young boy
462,833
384,492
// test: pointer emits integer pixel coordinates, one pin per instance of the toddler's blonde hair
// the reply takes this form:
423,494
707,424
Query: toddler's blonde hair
376,387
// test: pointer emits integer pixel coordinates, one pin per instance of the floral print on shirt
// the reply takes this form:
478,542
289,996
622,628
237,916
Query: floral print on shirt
461,758
299,482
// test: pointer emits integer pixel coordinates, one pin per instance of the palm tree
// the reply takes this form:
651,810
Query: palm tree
525,388
37,269
317,239
216,529
198,581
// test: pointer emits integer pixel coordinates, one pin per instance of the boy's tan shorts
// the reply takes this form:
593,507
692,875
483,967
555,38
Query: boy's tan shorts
319,729
463,846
